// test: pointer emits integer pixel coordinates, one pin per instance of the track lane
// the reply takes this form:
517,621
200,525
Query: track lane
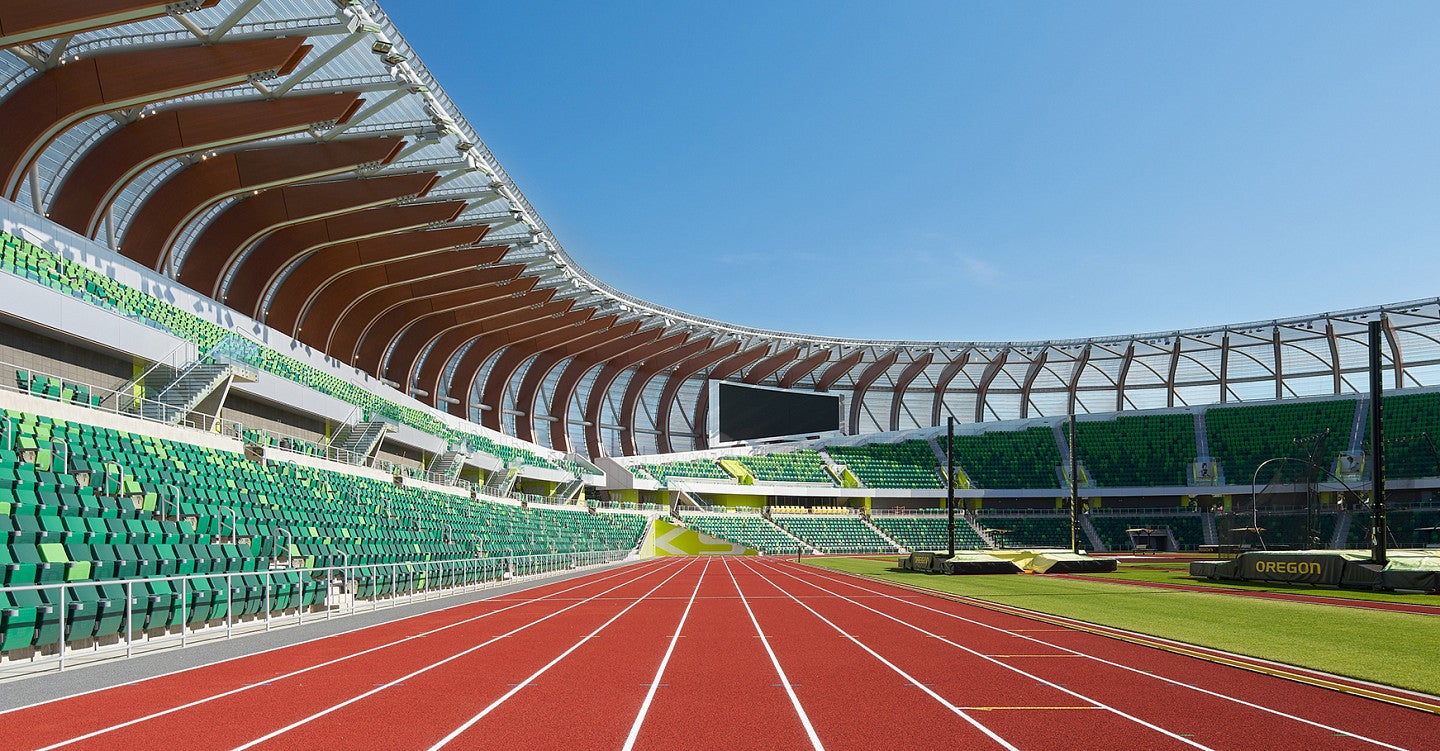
720,689
655,682
118,704
421,707
600,686
252,690
1243,708
827,665
1008,702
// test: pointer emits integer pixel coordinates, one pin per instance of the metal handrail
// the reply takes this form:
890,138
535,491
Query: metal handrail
289,541
469,575
175,498
234,524
65,468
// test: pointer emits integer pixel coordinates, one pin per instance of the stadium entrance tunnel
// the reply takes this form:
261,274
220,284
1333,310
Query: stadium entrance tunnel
665,538
1412,570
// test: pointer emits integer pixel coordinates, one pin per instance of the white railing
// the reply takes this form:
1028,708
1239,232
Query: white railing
266,600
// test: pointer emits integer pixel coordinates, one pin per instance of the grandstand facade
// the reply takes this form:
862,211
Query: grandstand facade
265,220
308,173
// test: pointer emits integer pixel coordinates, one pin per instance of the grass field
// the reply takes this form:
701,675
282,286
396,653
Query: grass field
1178,572
1396,649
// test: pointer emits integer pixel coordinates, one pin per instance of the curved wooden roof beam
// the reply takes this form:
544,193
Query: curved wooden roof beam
834,373
942,383
48,104
867,378
646,372
805,367
373,310
514,355
26,21
683,372
615,358
190,192
432,370
902,386
399,355
483,346
770,365
529,390
484,343
336,276
247,220
99,176
253,274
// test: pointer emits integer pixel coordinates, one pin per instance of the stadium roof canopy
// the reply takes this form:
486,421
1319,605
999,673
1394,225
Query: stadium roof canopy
297,161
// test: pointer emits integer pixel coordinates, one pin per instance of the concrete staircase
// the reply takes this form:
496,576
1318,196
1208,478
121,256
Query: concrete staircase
171,395
811,549
882,535
1342,530
502,481
569,491
445,467
1091,535
981,531
358,443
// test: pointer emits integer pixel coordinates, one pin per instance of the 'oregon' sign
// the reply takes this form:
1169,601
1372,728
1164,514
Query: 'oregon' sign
1311,569
1287,567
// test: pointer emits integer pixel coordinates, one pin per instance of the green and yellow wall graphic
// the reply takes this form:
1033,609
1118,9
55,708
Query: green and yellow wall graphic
668,538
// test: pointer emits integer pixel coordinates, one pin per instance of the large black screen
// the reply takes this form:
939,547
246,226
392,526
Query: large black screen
749,412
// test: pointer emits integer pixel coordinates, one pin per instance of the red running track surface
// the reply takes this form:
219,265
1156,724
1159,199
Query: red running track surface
718,653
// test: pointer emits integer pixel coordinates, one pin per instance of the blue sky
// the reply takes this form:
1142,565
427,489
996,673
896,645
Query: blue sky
962,170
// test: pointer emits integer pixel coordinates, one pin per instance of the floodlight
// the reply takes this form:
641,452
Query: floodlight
382,46
394,58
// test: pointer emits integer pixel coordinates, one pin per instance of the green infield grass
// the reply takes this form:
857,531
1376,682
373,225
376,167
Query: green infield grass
1396,649
1178,572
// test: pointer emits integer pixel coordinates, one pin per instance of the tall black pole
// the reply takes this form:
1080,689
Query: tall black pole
950,480
1377,448
1074,491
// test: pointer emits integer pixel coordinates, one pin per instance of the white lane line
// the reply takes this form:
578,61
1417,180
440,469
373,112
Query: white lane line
327,663
433,665
784,679
961,713
496,597
660,672
993,661
531,679
1121,666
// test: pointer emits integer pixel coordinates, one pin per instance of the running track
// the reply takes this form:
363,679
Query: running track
717,653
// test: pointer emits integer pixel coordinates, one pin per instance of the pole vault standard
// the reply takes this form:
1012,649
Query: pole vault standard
1378,524
950,481
1074,491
